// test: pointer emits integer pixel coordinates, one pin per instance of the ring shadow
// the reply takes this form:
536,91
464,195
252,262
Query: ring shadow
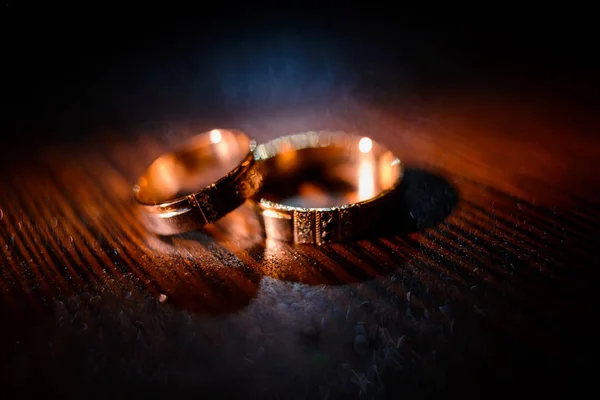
213,279
422,201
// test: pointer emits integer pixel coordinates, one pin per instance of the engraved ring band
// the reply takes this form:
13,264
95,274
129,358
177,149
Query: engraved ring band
369,171
197,183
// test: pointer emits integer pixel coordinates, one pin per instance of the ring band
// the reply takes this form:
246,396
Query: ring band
372,171
199,182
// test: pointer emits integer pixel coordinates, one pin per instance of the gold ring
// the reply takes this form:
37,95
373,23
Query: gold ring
199,182
330,158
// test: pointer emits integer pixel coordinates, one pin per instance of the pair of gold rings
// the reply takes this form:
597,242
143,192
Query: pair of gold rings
215,172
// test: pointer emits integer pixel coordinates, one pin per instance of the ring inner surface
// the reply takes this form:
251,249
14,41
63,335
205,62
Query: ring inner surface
342,173
202,161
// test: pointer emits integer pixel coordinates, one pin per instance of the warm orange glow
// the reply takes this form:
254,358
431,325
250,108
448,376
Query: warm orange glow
365,145
215,136
223,148
366,183
389,170
165,175
287,159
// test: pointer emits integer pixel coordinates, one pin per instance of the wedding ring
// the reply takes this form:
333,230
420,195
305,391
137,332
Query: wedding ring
365,168
199,182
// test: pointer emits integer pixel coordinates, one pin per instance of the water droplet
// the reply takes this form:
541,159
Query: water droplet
162,298
1,214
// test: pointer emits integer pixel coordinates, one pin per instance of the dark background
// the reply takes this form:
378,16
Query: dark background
67,66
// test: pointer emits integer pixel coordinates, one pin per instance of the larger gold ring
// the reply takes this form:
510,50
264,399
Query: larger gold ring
372,171
201,181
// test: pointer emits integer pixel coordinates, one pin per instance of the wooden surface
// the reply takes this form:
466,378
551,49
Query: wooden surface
480,286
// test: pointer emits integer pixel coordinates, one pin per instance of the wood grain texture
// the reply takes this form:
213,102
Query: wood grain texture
477,286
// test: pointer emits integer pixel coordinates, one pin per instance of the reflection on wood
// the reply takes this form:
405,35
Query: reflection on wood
476,276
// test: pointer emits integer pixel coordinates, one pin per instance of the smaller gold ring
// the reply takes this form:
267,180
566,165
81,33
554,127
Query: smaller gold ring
372,171
198,183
